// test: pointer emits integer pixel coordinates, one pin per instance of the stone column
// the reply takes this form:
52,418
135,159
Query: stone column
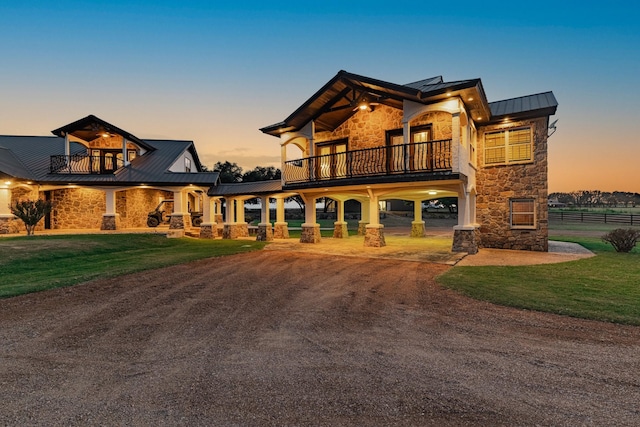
7,219
374,235
243,227
310,229
417,225
465,234
265,231
180,218
340,229
110,219
229,218
364,218
208,226
281,230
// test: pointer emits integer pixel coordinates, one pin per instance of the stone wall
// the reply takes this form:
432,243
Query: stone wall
497,185
77,208
368,129
135,204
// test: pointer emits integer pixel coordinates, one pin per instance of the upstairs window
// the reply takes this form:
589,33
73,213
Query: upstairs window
523,213
187,165
508,146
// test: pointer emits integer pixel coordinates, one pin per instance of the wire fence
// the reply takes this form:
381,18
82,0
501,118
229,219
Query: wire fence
594,217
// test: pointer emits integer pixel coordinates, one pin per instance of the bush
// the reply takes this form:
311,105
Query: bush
31,212
622,239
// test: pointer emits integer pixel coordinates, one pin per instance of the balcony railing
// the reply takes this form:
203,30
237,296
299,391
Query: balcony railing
85,164
423,157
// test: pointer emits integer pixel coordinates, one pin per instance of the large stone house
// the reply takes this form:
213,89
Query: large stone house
369,140
99,176
356,139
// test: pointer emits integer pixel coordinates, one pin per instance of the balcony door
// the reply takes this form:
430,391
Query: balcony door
106,161
417,153
331,160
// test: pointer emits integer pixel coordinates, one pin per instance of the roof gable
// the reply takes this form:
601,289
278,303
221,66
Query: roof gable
91,127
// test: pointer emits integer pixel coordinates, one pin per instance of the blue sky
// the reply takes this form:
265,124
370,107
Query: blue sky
216,72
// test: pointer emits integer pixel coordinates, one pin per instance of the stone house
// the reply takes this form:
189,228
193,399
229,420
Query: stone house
99,176
358,138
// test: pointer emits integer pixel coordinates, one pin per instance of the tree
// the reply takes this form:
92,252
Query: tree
31,212
261,173
229,172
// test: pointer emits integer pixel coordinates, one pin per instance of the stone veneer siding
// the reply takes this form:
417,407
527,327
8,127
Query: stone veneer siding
368,129
22,193
135,204
497,185
77,208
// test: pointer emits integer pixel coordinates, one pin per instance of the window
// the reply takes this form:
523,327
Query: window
187,165
131,154
523,213
509,146
332,159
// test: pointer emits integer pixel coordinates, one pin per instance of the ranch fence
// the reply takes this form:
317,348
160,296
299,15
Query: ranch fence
594,217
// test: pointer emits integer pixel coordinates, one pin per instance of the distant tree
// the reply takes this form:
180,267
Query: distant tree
261,173
31,212
229,172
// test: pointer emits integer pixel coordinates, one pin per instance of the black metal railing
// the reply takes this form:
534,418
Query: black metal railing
431,156
84,164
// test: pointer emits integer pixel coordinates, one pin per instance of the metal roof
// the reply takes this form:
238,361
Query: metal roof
530,105
338,99
151,168
247,188
11,165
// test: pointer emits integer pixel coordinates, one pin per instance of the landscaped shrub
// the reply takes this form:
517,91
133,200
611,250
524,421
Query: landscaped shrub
31,212
622,239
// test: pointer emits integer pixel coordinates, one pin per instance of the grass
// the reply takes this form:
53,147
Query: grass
36,263
605,287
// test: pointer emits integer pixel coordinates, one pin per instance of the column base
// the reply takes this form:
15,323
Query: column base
310,233
374,237
180,221
265,233
465,239
362,228
418,229
281,230
235,230
110,222
208,230
340,230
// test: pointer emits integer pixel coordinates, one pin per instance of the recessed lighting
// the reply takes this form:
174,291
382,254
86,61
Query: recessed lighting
433,193
478,118
470,98
448,93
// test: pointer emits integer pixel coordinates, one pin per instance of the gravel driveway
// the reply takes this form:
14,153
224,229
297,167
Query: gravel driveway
276,338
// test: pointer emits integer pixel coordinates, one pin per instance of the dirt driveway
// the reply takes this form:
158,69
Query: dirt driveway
304,339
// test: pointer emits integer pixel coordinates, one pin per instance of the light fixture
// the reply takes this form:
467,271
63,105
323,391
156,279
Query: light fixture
7,183
448,93
470,99
105,135
433,193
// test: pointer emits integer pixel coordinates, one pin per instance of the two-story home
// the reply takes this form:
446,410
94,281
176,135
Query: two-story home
99,176
363,139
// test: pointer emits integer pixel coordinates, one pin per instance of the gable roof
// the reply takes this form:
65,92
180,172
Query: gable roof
337,100
92,127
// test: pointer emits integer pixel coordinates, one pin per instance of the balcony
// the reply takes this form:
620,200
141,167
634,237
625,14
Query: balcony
379,164
85,164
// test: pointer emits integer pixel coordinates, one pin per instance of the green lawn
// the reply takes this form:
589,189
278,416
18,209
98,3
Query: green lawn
605,287
31,264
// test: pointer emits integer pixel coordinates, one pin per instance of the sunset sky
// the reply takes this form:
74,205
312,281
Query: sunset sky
216,72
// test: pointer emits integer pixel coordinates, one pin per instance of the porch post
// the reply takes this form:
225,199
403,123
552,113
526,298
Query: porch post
180,218
265,231
417,225
7,219
310,229
281,230
208,225
67,150
241,224
110,219
340,229
364,217
406,140
455,143
125,161
374,235
229,218
465,234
